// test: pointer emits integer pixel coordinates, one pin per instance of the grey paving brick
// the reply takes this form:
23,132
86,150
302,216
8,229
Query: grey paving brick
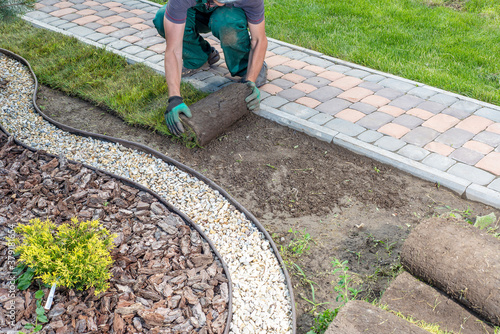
281,50
291,94
297,55
159,58
363,107
357,73
345,127
472,174
51,19
93,26
78,1
397,84
37,15
438,161
48,2
123,32
333,106
147,42
96,36
99,8
284,69
454,137
202,75
489,138
389,93
369,136
80,6
484,195
422,92
119,44
121,25
108,40
390,143
420,136
375,120
445,99
282,83
409,121
105,13
317,81
320,119
431,106
272,45
466,106
68,25
491,114
495,185
58,23
339,68
274,101
298,110
466,156
48,9
148,17
81,31
222,71
304,73
145,54
317,61
374,87
324,94
374,78
148,33
264,95
457,113
417,169
217,80
413,152
126,15
406,102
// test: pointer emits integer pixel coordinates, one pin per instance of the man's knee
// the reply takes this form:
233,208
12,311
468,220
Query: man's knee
158,20
229,25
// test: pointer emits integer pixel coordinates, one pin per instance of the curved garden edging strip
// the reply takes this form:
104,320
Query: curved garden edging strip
184,168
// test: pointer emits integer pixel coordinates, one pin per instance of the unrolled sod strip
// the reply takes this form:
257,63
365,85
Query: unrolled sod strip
261,300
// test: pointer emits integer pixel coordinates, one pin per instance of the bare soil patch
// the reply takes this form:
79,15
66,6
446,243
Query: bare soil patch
354,208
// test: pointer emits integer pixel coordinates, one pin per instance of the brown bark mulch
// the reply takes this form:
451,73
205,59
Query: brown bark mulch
166,279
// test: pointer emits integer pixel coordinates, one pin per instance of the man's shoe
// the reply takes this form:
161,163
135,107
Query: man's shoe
214,56
262,78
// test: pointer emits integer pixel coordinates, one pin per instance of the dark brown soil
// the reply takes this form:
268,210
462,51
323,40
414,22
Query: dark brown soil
354,208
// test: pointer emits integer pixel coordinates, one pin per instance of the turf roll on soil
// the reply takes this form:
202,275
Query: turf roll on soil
415,299
214,114
360,317
460,260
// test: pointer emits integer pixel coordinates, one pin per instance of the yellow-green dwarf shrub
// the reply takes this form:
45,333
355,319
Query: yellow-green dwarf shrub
75,255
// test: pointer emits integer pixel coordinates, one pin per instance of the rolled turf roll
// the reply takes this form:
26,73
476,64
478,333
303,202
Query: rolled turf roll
460,260
214,114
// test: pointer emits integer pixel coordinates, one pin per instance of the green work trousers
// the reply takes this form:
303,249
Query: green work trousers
228,24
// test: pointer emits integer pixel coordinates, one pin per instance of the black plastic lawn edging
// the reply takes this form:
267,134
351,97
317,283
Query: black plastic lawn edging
184,168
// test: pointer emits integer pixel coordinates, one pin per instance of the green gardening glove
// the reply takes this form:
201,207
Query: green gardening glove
176,106
253,100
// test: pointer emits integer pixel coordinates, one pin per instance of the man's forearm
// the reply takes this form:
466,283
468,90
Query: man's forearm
173,70
257,56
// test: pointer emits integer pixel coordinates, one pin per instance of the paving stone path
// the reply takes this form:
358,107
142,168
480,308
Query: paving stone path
433,134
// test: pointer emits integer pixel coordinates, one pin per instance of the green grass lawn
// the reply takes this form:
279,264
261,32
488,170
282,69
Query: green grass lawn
425,41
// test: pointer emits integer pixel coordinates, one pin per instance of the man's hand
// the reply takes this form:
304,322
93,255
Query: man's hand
253,100
175,107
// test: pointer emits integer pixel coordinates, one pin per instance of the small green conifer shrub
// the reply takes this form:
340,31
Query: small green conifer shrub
74,255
